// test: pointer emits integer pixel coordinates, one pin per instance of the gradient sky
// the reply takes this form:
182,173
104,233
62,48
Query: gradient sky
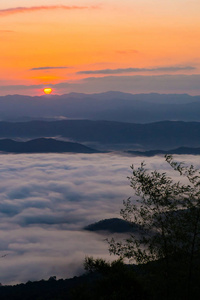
78,45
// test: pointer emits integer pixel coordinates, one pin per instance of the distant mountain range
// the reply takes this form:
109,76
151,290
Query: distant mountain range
43,145
49,145
110,106
161,135
180,150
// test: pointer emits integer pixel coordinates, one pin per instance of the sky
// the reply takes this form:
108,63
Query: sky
46,200
95,46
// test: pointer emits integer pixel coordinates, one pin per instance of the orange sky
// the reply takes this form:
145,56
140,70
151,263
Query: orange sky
46,43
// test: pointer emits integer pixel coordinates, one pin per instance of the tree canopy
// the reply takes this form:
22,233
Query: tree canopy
168,213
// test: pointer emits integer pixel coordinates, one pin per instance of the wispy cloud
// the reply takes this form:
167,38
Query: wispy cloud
135,70
6,31
16,10
131,51
49,68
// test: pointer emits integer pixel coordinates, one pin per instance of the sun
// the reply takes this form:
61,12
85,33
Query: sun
47,91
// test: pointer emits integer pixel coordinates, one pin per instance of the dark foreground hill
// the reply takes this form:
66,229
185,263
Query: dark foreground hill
116,284
113,281
161,135
51,289
114,225
43,145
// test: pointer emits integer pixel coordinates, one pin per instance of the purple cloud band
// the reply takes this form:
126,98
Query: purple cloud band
16,10
49,68
134,70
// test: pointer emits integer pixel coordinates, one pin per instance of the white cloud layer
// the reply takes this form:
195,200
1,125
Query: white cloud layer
45,200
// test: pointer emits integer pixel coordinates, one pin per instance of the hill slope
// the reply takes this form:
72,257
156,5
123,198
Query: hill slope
180,150
43,145
160,135
114,225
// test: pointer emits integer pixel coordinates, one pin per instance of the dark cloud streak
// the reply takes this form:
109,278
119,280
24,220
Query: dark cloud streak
135,70
49,68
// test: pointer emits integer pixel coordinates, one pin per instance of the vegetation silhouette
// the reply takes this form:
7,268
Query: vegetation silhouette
165,248
168,245
110,281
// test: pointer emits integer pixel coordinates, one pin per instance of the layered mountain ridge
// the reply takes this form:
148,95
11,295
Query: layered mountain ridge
164,135
111,106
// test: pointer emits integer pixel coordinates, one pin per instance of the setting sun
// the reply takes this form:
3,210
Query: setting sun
47,91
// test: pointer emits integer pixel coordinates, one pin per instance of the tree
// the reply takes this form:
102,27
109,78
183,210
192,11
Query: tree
109,281
168,213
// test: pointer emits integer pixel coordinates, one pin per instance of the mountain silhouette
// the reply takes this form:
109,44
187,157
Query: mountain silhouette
43,145
160,135
110,106
114,225
180,150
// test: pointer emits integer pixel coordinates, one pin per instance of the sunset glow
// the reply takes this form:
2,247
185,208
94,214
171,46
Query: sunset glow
47,91
94,92
61,43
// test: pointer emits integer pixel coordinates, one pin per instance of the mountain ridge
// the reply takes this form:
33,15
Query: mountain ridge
112,106
43,145
179,151
159,135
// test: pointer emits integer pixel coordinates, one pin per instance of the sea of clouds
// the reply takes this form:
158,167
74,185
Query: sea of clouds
46,200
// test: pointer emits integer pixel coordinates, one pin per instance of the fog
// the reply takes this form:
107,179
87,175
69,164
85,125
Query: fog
46,200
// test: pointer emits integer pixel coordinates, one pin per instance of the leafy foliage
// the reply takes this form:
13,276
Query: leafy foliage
168,213
110,281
